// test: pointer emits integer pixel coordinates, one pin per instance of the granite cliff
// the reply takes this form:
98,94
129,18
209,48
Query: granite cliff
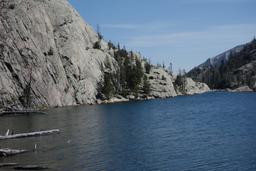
50,57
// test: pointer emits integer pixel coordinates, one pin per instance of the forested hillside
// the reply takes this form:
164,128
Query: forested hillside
238,70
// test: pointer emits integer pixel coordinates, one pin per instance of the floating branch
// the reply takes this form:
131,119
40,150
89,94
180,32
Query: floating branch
21,113
8,164
30,134
10,152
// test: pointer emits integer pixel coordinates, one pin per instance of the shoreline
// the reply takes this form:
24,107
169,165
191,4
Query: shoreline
123,100
111,101
120,99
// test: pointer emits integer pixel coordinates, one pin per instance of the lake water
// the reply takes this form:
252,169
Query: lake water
212,131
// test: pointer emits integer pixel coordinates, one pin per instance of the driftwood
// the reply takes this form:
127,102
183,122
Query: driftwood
10,152
30,167
8,164
25,112
30,134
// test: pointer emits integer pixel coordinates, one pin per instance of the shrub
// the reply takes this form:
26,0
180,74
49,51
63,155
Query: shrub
151,77
97,45
50,52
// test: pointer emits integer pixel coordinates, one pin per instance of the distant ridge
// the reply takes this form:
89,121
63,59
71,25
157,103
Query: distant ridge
232,69
219,59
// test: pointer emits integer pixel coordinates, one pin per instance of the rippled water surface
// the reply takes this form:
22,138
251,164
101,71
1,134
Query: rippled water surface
213,131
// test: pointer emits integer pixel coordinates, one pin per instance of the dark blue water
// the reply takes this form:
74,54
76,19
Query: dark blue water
213,131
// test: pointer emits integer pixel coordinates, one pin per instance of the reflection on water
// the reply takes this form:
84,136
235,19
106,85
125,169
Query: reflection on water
214,131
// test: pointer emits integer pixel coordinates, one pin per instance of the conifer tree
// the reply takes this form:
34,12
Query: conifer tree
146,85
108,87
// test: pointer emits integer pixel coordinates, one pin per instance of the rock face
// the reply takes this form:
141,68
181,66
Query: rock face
232,69
161,83
47,50
50,41
192,87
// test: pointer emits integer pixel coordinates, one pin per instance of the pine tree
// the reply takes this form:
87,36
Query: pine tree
180,81
139,72
100,37
146,86
147,67
118,47
108,88
170,68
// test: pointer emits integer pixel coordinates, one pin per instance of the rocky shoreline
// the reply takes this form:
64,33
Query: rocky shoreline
119,98
241,89
123,99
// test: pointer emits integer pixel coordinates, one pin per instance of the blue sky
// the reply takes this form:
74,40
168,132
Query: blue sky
186,32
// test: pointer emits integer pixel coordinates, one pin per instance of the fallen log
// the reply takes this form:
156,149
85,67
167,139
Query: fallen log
10,152
8,164
30,167
7,113
30,134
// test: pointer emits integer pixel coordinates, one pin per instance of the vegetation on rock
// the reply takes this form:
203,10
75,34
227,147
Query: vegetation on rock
180,82
146,86
130,76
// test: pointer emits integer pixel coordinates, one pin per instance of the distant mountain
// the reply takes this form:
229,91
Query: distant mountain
232,69
221,58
